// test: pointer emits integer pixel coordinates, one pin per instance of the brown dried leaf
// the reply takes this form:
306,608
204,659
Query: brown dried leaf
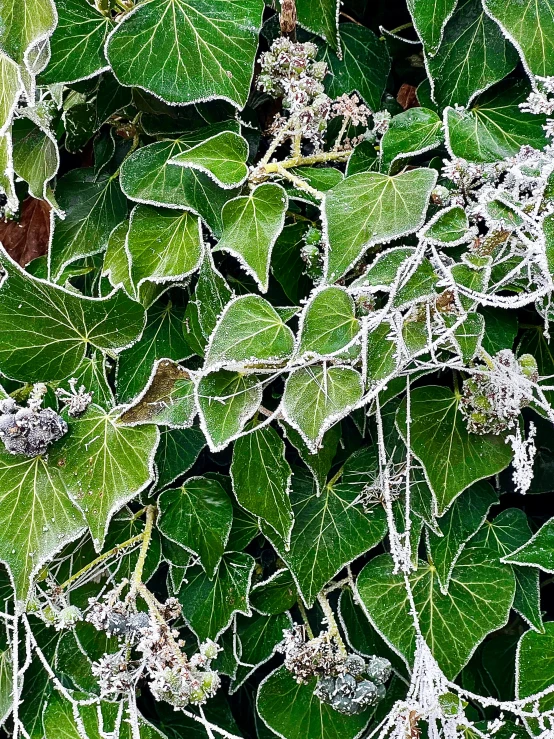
28,238
407,97
168,400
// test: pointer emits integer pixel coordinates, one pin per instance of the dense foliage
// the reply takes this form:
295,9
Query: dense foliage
276,445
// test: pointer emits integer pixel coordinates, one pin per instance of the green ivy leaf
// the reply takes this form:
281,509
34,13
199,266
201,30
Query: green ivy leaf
146,177
410,133
382,272
258,637
162,338
10,89
35,156
535,669
104,465
538,551
163,245
329,532
494,127
249,331
177,451
45,329
468,336
292,711
226,401
21,30
458,525
261,478
321,18
251,225
198,517
38,517
363,68
479,599
222,157
453,459
530,27
185,52
274,595
449,227
371,208
510,530
472,56
420,285
364,158
93,206
501,328
77,44
328,322
381,353
315,398
208,605
429,19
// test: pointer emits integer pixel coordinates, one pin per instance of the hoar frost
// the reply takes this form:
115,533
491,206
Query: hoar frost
492,400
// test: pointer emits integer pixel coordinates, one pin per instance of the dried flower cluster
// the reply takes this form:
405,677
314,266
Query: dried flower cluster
31,430
350,692
341,681
171,676
290,71
76,400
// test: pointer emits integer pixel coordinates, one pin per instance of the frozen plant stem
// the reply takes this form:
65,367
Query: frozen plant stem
111,553
331,622
146,538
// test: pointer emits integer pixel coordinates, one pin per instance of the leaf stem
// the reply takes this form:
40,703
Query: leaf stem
335,477
304,615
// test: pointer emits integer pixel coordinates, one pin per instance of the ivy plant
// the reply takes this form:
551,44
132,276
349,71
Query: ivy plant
276,376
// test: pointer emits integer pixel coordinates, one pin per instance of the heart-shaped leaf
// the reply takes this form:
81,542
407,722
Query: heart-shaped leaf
371,208
315,398
330,531
198,517
479,599
186,51
249,331
453,458
251,225
222,157
105,464
261,478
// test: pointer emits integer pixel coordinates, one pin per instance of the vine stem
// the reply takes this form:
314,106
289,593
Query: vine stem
303,161
113,551
299,183
331,622
136,579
